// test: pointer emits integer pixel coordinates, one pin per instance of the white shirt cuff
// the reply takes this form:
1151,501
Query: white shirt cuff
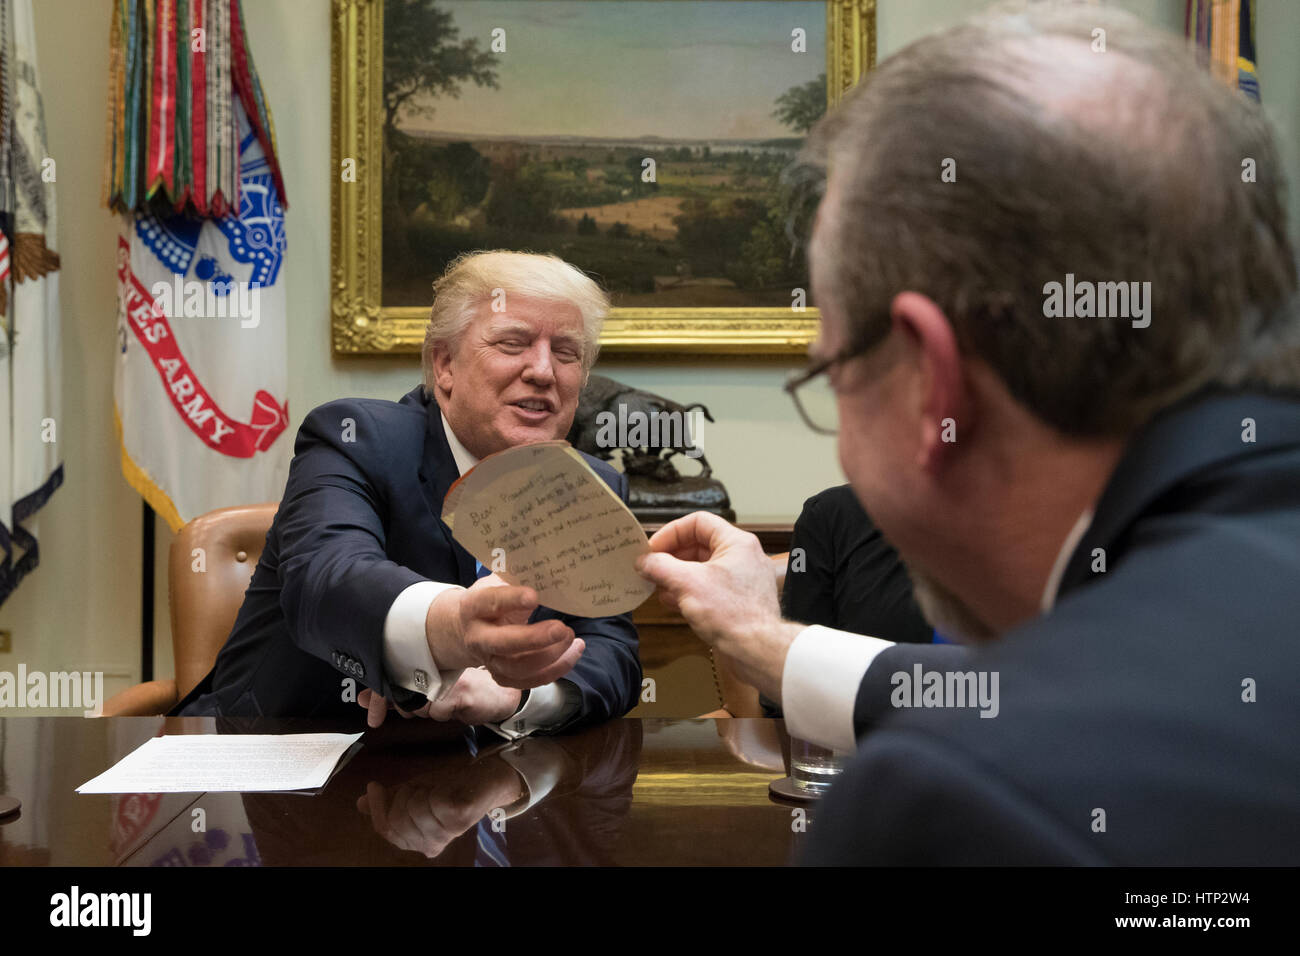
537,764
548,706
408,662
819,686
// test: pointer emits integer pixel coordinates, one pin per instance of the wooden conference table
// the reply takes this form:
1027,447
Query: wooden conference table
417,793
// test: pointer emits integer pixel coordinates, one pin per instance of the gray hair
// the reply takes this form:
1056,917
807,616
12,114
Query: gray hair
1125,166
473,278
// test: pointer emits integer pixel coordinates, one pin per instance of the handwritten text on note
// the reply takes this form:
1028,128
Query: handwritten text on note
540,517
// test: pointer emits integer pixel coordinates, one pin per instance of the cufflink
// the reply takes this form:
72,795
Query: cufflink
421,680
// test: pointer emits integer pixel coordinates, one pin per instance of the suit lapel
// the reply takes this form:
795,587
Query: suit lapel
437,474
1203,432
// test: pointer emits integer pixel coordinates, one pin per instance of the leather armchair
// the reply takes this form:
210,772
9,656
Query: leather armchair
208,569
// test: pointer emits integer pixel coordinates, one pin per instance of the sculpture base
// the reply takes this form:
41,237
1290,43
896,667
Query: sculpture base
664,515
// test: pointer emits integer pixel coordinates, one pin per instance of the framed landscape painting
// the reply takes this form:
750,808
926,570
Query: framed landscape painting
648,142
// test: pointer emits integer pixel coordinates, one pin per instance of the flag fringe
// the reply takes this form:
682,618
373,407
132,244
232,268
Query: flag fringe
144,485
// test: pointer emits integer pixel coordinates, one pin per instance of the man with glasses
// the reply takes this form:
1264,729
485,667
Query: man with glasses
1103,508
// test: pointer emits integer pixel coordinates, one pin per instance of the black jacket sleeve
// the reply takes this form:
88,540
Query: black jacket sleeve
911,799
337,582
873,702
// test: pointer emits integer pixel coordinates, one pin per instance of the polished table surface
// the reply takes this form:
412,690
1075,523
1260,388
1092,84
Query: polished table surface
417,793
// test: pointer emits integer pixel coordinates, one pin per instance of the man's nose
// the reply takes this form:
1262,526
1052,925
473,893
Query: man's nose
540,370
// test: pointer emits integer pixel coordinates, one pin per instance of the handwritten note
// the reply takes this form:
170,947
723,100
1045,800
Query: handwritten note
540,517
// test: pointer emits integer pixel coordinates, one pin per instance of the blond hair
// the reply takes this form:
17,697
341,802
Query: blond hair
475,277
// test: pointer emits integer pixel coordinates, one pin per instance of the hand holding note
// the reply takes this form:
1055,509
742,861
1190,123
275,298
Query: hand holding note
721,581
487,626
541,518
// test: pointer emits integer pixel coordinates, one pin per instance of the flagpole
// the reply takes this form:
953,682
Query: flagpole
146,594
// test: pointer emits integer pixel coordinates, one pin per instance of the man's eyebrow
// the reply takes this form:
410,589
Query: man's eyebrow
509,325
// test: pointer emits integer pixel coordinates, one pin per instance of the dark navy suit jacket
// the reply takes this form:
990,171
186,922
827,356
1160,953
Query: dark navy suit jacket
1152,717
359,522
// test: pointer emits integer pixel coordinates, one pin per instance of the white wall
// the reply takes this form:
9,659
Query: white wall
80,609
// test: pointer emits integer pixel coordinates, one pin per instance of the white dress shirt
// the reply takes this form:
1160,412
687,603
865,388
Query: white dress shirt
824,667
409,663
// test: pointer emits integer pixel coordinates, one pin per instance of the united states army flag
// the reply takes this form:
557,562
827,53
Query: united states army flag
201,383
31,462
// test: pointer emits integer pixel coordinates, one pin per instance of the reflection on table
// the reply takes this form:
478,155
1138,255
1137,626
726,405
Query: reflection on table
420,793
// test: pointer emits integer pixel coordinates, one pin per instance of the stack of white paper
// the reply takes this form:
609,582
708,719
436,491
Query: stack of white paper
247,763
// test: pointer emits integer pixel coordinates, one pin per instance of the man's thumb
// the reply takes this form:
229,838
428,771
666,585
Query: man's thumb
666,571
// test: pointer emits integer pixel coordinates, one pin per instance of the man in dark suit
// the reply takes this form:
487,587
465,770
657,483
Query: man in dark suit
1102,502
362,596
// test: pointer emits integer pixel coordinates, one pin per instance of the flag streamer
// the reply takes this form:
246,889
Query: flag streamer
175,69
199,390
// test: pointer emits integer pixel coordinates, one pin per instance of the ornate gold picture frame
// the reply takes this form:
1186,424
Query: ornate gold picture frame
361,324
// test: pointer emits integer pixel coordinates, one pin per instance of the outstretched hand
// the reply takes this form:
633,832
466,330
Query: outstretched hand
487,626
720,580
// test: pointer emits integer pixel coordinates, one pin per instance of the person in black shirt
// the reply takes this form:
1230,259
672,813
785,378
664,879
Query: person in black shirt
842,573
850,578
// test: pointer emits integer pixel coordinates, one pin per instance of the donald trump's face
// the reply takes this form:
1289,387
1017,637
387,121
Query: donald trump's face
514,376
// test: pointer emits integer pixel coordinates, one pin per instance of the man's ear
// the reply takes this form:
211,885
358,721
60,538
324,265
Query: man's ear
946,409
441,361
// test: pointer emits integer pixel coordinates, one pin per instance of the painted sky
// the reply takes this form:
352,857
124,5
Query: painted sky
710,69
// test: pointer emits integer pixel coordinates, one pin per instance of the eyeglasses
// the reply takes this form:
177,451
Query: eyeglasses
814,396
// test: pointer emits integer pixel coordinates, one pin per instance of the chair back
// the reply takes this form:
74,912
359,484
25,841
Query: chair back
209,567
